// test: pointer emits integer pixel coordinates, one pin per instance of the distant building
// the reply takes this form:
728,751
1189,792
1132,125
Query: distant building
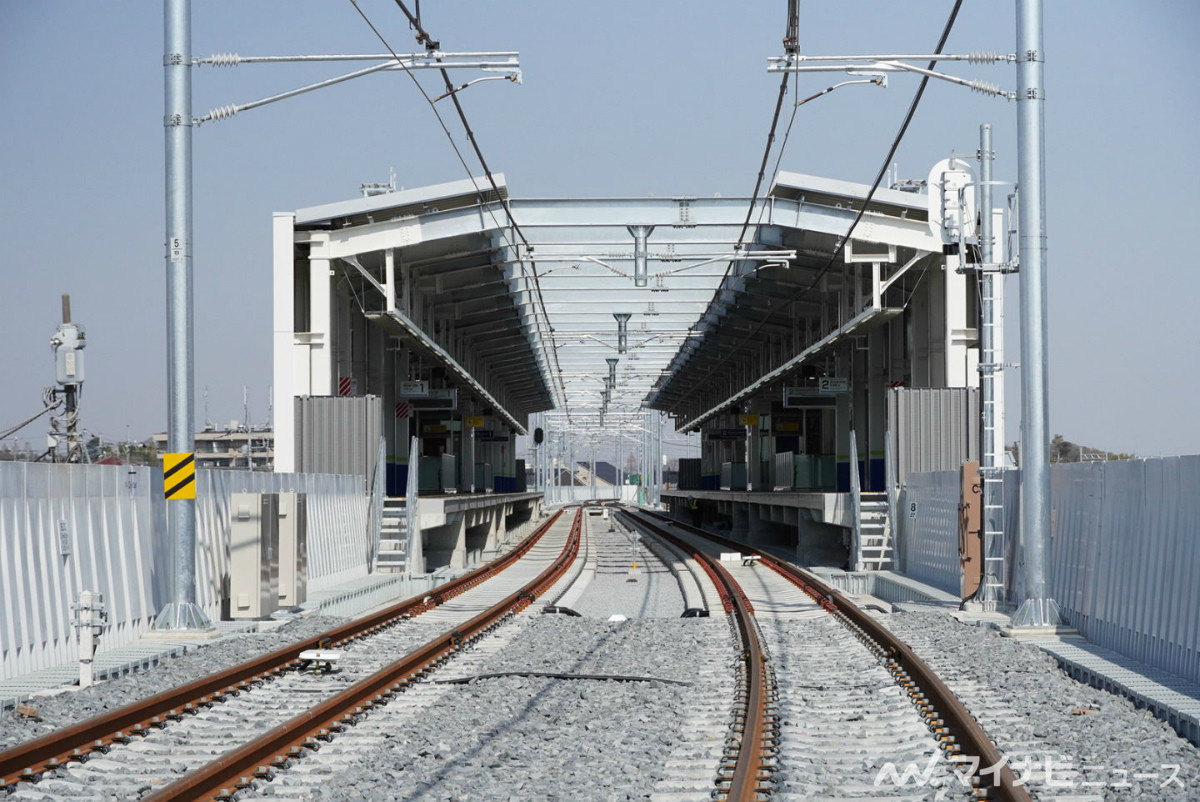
245,448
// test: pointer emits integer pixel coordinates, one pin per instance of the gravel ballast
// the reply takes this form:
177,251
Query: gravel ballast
72,706
1095,743
536,738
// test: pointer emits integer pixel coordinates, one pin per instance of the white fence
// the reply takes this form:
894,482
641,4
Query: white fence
67,528
1124,551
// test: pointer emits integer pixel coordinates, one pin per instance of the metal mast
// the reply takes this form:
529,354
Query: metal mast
1037,609
182,613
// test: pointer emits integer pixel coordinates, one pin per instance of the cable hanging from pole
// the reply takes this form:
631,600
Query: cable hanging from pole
431,45
949,26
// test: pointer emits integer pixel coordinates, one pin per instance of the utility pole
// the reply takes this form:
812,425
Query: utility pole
182,612
68,343
1037,609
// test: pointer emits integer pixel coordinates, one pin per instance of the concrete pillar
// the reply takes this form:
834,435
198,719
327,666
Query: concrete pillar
741,521
458,558
495,529
290,374
756,533
320,327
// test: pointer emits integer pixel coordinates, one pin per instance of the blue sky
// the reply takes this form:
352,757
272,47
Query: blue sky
620,98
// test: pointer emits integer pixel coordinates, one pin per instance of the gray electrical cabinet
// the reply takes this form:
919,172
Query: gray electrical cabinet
293,549
253,555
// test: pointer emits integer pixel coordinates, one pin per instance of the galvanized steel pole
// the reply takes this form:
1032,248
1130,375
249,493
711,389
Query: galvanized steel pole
182,613
1038,609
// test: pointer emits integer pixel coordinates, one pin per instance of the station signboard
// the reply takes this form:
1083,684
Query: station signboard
833,384
727,434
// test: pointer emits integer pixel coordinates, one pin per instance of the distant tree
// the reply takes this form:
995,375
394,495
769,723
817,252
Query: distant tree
1063,450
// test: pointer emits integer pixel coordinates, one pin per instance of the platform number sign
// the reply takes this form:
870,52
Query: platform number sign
912,509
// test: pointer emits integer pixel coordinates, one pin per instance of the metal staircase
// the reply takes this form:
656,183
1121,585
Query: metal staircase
392,557
875,532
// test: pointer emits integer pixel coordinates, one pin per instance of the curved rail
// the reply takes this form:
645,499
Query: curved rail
950,721
222,778
30,759
751,755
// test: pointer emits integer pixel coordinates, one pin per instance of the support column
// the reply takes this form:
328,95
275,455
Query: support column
740,517
495,529
320,327
753,458
1038,609
467,457
458,558
877,386
182,612
286,384
755,533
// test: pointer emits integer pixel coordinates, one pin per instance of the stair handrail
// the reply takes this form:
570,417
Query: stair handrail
414,555
893,490
378,491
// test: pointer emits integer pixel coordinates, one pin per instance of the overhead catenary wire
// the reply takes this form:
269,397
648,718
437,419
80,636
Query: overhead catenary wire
424,38
887,160
870,194
50,407
790,43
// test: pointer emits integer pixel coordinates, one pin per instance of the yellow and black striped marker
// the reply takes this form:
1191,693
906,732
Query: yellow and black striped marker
179,476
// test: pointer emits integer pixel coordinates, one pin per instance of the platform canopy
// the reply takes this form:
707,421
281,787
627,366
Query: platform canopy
598,308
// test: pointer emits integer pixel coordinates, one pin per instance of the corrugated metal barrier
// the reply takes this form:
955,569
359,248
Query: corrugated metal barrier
1124,551
927,529
1125,555
338,435
67,528
932,429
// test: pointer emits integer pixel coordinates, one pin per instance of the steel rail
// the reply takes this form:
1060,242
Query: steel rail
951,723
223,777
752,763
27,761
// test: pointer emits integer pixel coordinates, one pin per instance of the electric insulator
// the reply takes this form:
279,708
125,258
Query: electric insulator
984,57
986,88
226,59
223,112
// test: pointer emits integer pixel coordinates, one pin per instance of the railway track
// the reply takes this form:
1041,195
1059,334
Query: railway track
142,747
765,714
846,713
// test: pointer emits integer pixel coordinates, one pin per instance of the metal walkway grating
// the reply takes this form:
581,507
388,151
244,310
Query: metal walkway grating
1171,698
